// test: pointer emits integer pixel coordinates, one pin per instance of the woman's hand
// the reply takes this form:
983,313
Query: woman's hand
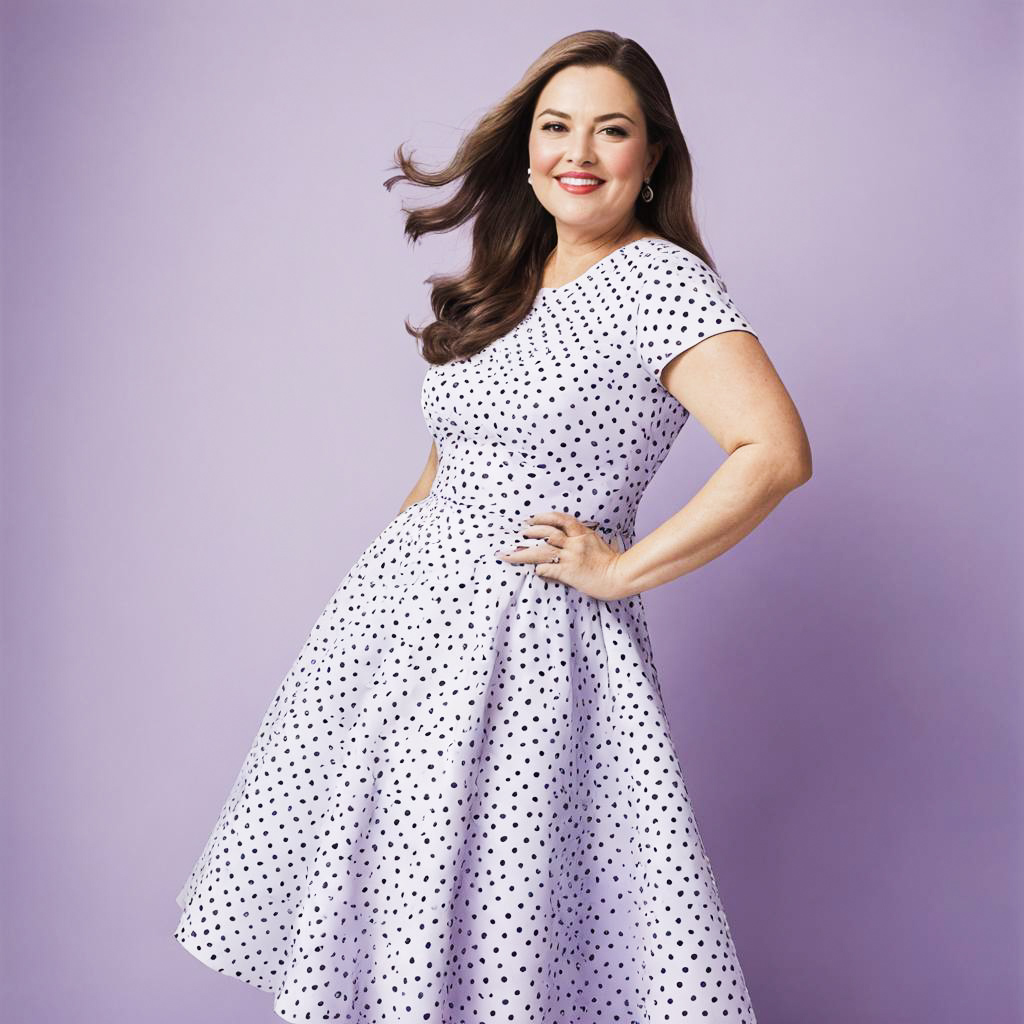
585,560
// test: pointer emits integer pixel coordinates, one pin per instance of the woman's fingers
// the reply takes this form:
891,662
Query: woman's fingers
569,525
527,553
552,532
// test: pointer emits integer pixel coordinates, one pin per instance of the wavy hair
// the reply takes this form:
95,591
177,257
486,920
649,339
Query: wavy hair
512,233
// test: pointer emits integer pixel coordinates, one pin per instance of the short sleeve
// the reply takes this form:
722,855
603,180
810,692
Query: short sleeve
680,302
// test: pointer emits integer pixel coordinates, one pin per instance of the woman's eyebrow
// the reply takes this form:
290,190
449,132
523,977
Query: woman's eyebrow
568,117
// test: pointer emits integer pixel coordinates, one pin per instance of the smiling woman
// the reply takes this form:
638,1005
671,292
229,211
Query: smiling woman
464,803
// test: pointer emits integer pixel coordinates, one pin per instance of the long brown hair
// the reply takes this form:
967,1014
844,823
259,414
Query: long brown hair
512,234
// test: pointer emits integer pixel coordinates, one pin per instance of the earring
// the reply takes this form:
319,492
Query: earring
529,171
647,193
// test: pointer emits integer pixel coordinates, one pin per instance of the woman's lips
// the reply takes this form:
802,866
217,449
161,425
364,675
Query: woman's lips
579,189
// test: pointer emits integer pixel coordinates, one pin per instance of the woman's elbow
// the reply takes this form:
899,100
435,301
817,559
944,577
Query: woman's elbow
797,466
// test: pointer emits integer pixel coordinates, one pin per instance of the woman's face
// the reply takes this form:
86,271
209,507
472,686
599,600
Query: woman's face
587,121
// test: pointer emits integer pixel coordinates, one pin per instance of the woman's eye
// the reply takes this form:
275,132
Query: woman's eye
558,124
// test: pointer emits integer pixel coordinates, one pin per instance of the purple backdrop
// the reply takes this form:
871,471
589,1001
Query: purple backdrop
211,406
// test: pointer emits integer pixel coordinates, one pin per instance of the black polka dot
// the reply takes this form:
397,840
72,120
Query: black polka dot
463,804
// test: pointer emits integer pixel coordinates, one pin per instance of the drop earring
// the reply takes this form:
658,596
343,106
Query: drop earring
529,171
647,193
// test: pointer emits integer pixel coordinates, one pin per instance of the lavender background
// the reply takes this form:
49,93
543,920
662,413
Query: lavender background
210,408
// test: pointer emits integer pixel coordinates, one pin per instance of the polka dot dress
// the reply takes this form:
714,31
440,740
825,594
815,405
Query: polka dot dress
463,804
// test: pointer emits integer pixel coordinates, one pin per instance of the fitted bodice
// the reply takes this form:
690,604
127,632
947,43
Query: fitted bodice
567,411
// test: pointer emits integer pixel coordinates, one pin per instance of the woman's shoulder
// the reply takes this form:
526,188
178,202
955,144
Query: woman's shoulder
659,250
670,265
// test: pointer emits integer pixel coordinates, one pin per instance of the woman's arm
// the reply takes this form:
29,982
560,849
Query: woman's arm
425,482
730,386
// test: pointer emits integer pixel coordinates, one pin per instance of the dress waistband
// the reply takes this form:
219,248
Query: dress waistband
513,516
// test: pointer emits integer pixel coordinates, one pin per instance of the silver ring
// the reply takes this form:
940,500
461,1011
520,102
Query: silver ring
555,559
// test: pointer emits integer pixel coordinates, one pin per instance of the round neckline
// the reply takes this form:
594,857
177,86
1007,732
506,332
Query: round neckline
589,272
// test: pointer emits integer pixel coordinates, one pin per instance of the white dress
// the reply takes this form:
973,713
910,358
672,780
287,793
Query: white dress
463,803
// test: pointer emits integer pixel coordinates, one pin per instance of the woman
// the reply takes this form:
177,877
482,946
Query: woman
463,803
